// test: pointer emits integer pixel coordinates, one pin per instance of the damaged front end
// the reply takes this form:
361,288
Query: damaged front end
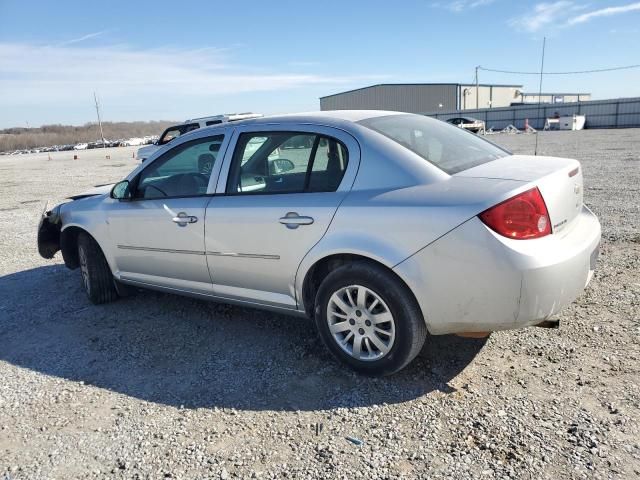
52,239
49,232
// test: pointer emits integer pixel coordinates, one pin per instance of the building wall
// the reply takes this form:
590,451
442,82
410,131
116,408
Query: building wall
401,98
553,98
419,98
499,96
615,113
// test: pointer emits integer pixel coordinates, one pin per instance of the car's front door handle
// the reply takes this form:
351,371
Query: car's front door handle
182,219
293,220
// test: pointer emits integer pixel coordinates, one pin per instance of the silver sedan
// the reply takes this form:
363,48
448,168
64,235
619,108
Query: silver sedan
382,227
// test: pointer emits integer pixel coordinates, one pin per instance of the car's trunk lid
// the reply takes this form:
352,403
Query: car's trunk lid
558,179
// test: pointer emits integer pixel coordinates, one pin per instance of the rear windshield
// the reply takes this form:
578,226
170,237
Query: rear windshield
449,148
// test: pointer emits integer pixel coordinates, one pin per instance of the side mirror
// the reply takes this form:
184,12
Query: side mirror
280,165
121,191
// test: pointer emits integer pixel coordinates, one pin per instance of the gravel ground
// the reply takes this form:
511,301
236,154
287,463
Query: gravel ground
159,386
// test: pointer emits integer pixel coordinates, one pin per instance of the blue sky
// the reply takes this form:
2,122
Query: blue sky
148,60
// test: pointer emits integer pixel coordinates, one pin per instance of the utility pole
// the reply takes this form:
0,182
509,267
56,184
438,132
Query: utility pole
99,120
544,43
477,89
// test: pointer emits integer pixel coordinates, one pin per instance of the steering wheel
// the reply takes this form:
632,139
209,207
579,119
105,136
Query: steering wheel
157,188
190,181
200,178
182,184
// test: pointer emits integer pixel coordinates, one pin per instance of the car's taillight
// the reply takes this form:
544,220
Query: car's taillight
521,217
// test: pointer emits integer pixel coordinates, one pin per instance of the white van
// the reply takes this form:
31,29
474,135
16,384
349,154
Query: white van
176,130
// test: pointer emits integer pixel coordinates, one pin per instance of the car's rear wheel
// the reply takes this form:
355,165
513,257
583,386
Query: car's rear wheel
369,319
97,278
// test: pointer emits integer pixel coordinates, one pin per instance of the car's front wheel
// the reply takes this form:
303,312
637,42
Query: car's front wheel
369,319
97,278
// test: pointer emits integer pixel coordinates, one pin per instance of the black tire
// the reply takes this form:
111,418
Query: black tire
97,279
410,328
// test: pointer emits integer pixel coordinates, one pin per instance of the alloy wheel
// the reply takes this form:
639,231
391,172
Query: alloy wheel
361,323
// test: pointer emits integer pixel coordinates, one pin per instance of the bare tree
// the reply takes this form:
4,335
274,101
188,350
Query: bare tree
48,135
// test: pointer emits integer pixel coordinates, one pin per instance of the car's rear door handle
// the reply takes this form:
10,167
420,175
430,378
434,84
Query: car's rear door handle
293,220
182,219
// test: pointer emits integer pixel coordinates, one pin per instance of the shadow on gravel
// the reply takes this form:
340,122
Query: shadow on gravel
183,352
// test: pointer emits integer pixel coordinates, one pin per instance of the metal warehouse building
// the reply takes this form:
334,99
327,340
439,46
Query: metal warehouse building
434,97
423,97
554,98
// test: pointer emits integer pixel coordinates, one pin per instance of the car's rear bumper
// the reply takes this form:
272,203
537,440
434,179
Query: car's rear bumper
474,280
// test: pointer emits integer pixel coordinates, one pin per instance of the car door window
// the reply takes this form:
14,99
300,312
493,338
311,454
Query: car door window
329,164
286,162
253,144
183,171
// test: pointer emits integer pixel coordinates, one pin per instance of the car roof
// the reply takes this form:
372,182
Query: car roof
332,118
327,116
225,116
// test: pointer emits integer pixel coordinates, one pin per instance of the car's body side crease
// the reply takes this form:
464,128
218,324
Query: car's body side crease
431,242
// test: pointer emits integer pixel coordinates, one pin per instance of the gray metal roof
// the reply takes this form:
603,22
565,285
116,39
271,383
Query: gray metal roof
554,93
421,84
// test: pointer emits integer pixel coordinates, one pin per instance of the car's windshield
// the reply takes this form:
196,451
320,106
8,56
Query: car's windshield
449,148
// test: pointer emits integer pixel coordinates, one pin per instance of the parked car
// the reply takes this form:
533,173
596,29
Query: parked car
81,146
132,142
98,144
175,131
388,227
468,123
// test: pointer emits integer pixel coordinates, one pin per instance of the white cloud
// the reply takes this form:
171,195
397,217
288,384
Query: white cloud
477,3
564,13
604,12
64,74
83,38
303,63
543,15
459,6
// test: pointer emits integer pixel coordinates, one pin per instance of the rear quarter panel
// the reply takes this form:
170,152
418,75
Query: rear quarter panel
391,225
464,282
